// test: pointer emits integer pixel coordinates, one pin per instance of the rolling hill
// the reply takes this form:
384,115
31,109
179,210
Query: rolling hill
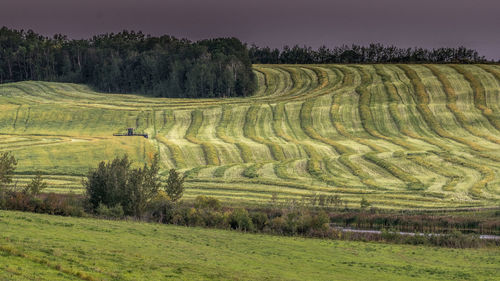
401,136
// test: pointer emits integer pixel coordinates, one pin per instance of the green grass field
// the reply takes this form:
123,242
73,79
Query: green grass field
43,247
402,136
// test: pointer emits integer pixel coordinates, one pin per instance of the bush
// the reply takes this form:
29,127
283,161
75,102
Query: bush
259,220
206,202
239,219
161,208
320,222
113,212
116,183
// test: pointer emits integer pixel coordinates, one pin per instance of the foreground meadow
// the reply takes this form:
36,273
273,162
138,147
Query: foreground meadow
42,247
402,136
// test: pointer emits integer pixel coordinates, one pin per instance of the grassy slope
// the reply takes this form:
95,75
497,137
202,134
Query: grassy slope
403,136
42,247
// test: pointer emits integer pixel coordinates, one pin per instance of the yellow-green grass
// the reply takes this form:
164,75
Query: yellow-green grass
382,132
42,247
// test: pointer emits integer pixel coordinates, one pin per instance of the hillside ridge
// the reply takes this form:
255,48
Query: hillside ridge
402,136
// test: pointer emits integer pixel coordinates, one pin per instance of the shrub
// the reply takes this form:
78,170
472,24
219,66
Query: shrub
320,222
206,202
259,220
116,183
161,208
110,212
278,225
239,219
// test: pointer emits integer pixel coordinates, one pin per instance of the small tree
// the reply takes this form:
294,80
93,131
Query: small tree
7,166
36,185
117,184
174,187
364,203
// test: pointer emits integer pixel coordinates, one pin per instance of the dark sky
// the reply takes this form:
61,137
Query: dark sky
405,23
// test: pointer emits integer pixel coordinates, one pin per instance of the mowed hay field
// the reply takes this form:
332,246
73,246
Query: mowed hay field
402,136
43,247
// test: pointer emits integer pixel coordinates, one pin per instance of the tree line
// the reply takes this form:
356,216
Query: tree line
130,62
373,53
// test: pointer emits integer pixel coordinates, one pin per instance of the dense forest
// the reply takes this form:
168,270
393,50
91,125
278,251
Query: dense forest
373,53
130,62
164,66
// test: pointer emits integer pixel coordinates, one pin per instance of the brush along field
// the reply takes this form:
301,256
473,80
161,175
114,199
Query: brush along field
43,247
402,136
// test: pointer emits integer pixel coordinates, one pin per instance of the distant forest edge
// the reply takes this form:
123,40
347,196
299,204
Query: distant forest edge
164,66
373,53
130,62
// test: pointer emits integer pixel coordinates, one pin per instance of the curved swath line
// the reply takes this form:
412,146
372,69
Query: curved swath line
49,90
348,195
132,101
280,114
261,83
271,77
300,85
38,90
479,96
491,70
280,118
323,86
288,81
128,100
495,100
479,150
425,128
275,77
314,157
495,72
487,174
245,151
366,111
423,99
452,178
76,91
319,87
296,82
452,106
286,184
349,82
315,160
369,126
249,129
209,151
175,151
28,95
394,99
20,147
337,118
301,77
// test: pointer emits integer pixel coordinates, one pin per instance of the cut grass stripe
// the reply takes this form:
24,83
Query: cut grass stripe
209,149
